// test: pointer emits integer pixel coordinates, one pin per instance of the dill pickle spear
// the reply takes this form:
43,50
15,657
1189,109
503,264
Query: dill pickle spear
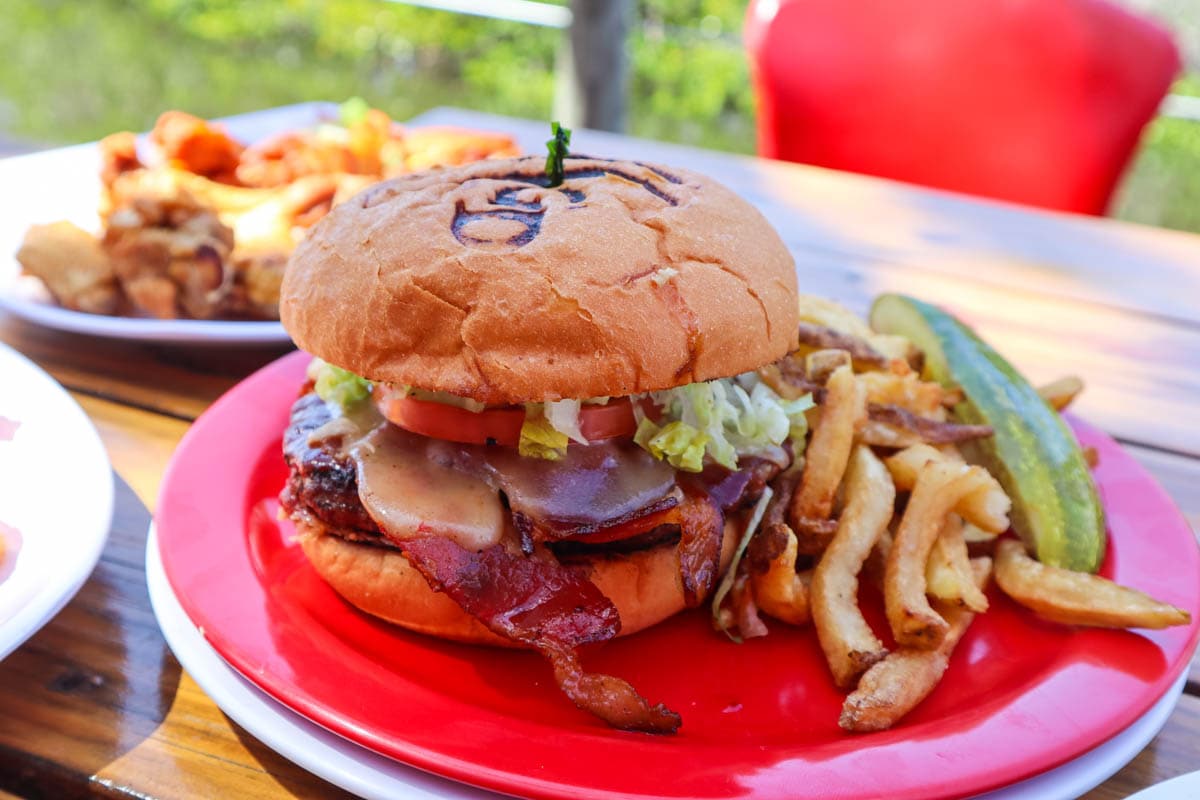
1033,453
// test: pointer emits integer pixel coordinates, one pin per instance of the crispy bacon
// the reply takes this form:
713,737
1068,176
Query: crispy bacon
929,430
591,491
541,603
824,338
701,519
701,531
611,699
788,378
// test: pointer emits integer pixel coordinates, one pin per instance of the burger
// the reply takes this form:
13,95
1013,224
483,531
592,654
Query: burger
534,417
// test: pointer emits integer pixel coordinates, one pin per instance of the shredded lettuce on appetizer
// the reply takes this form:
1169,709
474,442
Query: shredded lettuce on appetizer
724,419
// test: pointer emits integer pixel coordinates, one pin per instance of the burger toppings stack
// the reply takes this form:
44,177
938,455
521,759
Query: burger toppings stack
534,418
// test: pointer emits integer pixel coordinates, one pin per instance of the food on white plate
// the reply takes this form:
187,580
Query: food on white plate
554,403
199,225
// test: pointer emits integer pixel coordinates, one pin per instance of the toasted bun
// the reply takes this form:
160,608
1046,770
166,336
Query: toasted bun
643,585
480,282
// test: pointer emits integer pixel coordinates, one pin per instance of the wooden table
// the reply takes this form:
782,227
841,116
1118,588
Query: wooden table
96,704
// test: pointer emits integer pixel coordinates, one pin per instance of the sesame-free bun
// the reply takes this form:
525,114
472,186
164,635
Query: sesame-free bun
482,282
644,585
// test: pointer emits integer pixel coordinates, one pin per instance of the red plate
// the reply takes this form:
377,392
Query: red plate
1021,696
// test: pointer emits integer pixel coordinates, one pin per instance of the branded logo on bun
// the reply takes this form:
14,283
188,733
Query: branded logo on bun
534,417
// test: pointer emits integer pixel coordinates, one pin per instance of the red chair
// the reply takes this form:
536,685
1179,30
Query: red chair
1033,101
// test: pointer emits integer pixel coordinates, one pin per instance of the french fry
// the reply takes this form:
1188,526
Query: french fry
842,413
794,389
973,534
876,564
828,314
858,350
906,391
820,364
939,487
895,685
948,571
905,464
1078,598
781,592
849,644
986,506
1060,393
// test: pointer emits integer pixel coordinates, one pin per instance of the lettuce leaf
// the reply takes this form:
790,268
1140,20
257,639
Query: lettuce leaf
680,444
339,386
539,439
563,416
730,576
727,418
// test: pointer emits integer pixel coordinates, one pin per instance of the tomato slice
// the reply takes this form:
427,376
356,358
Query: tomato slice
500,425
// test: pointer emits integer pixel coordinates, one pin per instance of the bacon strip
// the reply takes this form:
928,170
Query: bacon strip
701,530
862,353
930,430
541,603
609,698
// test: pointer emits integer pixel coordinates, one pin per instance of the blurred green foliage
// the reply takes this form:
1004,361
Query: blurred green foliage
74,71
77,70
1163,185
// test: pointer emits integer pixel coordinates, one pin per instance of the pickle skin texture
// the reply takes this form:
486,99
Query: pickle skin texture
1056,509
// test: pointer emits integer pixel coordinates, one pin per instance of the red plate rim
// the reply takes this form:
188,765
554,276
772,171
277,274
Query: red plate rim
220,579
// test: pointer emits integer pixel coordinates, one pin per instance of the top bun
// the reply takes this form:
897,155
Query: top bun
483,282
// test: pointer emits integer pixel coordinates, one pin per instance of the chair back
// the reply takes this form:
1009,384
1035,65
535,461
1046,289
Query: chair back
1033,101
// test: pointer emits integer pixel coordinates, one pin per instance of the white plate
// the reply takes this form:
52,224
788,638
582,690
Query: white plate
1185,787
371,775
65,184
56,493
317,750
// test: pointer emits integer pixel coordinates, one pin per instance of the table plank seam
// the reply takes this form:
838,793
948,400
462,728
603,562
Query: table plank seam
125,401
1158,448
892,261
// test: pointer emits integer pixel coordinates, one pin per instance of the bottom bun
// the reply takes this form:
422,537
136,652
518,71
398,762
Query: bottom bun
644,585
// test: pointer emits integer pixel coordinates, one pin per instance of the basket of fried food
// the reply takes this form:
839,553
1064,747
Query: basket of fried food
931,468
199,225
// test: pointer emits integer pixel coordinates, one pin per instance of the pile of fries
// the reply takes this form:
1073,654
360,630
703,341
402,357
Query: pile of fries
883,491
203,227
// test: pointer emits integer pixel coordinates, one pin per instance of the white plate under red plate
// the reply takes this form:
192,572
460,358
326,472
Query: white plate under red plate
377,777
56,498
1021,696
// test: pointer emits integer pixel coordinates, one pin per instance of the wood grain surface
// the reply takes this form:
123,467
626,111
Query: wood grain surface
95,704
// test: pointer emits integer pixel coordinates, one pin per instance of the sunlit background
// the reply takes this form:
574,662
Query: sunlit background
75,71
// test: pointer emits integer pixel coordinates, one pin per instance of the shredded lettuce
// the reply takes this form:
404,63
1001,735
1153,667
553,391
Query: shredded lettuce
723,419
445,398
339,386
563,416
681,445
539,439
727,581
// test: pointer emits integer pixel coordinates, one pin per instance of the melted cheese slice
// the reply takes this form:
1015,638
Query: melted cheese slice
411,496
